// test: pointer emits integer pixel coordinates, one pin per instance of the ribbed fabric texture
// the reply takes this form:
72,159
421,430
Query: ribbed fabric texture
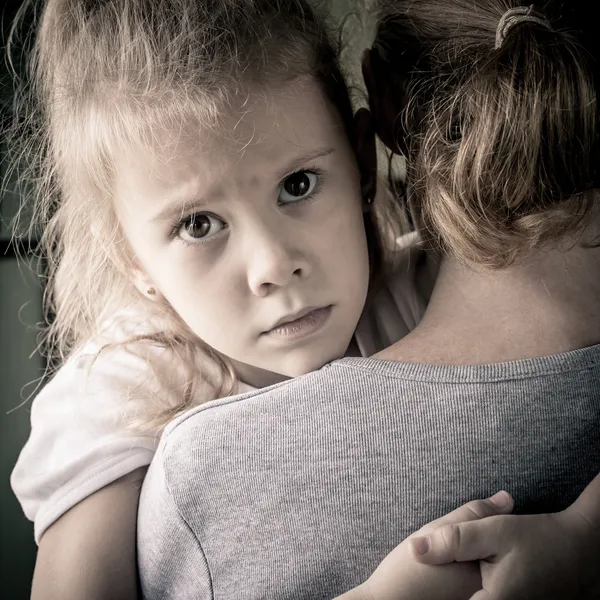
298,491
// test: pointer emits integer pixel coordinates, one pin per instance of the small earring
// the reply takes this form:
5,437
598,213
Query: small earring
151,291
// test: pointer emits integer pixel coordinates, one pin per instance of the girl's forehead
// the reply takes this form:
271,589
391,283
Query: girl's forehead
292,119
257,142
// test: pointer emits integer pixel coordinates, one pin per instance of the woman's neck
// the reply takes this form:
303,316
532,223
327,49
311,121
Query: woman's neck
547,306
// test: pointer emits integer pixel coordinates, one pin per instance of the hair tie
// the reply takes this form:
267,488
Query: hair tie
514,17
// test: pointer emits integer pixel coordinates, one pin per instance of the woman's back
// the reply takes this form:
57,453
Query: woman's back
317,479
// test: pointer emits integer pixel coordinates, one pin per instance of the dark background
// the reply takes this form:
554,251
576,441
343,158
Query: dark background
20,366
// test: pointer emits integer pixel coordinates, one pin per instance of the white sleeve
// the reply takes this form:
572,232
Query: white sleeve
78,442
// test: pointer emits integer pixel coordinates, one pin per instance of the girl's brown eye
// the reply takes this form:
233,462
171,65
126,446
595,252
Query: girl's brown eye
200,226
297,186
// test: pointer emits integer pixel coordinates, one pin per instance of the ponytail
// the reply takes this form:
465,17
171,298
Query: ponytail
501,126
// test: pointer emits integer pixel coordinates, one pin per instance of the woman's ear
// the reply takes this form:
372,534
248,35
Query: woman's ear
366,154
386,92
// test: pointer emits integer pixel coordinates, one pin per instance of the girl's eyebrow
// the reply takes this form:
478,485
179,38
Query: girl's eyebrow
176,207
298,161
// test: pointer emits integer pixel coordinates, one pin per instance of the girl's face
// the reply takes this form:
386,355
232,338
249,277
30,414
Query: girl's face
257,241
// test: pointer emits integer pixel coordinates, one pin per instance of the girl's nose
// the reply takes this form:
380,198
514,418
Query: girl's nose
274,262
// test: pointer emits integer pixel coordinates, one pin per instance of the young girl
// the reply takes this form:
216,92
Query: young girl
206,231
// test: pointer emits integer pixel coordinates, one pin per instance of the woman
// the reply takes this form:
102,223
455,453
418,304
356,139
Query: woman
497,387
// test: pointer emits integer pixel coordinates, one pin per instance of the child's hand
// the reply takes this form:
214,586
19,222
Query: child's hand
553,556
401,577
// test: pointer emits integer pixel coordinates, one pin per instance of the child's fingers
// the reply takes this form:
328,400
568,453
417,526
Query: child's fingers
481,595
587,505
466,541
498,504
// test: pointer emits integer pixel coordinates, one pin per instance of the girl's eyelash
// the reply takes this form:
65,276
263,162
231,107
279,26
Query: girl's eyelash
314,170
192,244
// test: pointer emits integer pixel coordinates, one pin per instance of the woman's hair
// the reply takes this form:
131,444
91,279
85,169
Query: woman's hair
502,143
108,73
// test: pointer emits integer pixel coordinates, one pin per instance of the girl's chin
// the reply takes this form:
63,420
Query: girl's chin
294,365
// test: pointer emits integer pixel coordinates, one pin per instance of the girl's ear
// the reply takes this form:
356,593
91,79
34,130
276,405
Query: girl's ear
366,154
144,285
387,94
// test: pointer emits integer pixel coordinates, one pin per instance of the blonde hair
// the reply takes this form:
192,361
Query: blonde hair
502,144
105,74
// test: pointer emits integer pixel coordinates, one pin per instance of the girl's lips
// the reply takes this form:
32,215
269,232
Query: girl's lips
305,325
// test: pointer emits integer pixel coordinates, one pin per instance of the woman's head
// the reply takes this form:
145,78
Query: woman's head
497,114
165,121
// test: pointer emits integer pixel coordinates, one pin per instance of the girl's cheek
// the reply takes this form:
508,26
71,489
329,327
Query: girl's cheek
197,255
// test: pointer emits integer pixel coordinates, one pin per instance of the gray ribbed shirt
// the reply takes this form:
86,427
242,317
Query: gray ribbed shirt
299,490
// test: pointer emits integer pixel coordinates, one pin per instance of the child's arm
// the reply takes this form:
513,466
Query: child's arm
529,556
401,577
90,552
